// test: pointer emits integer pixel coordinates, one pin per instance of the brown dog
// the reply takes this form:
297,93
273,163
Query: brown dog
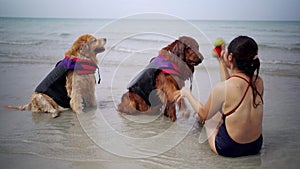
71,83
153,89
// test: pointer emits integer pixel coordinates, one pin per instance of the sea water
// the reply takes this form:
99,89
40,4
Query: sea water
30,47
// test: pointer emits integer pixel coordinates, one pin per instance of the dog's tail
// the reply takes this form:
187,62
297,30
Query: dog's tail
22,108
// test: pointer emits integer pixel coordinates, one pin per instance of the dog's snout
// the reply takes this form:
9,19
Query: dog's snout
199,61
102,41
201,58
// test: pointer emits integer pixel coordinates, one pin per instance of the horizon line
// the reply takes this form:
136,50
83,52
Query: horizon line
96,18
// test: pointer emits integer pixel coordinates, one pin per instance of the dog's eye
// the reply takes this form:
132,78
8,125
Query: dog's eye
94,40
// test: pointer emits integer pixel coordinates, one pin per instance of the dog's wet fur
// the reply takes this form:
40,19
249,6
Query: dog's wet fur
185,53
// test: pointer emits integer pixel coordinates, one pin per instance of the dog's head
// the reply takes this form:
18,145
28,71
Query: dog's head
187,49
86,46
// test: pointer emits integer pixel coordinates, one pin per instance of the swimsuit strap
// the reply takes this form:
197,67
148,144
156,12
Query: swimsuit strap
241,77
249,85
233,110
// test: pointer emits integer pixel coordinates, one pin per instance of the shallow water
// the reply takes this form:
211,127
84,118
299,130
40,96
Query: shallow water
104,138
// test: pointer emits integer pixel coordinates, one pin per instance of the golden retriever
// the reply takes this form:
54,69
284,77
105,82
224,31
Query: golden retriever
153,89
71,84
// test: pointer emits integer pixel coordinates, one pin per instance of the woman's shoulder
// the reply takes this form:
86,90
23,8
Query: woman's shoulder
233,83
219,88
225,85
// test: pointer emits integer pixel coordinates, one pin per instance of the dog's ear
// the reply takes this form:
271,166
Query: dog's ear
179,50
170,46
78,45
84,49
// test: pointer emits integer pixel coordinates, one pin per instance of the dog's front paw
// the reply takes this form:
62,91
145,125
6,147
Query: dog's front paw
76,105
186,114
54,115
79,112
173,118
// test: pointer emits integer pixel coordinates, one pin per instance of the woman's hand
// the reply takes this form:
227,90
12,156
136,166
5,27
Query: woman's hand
182,93
223,53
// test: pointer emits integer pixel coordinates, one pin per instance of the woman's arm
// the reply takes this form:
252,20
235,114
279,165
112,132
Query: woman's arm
210,108
224,73
185,92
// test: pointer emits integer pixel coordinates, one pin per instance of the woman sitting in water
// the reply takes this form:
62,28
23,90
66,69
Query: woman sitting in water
239,99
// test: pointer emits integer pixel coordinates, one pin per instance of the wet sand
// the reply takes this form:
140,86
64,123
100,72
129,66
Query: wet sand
37,141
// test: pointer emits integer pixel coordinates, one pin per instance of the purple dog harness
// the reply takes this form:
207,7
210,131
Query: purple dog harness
165,65
168,67
81,66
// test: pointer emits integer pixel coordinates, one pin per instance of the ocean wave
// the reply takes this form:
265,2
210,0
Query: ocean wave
26,58
281,62
285,73
292,47
140,39
35,42
128,50
65,34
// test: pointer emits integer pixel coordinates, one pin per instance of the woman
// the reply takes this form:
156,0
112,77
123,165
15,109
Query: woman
239,99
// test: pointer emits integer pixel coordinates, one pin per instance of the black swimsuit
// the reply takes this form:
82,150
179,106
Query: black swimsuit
226,146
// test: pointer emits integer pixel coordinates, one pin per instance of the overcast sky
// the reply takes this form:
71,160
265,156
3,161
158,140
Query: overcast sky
186,9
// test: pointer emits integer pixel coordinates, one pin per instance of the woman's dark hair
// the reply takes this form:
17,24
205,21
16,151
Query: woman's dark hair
244,50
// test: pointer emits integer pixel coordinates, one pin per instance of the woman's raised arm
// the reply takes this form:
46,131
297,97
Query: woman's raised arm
224,74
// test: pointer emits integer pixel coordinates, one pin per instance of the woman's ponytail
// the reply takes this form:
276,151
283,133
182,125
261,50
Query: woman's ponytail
244,49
